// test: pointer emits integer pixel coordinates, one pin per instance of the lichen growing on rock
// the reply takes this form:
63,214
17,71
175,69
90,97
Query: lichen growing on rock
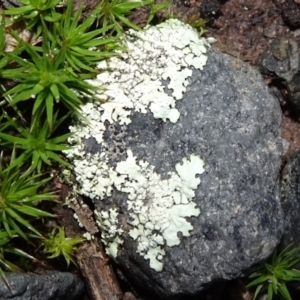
167,203
135,81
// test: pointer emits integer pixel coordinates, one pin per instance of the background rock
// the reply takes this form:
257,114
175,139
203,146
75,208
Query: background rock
228,118
10,3
290,191
50,286
281,59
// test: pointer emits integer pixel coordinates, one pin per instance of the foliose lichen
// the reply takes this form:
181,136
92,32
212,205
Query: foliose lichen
134,81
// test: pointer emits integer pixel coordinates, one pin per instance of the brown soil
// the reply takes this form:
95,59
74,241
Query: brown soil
242,28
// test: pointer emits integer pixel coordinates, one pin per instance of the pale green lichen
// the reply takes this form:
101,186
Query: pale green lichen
168,202
157,208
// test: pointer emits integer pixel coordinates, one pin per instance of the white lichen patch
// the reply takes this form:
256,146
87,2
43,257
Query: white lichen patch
157,205
111,231
157,208
134,79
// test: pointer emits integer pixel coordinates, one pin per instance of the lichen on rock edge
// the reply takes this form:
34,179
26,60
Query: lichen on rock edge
133,81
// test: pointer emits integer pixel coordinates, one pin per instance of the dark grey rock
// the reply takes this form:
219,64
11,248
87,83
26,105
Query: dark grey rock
282,60
229,118
290,191
11,3
50,286
290,200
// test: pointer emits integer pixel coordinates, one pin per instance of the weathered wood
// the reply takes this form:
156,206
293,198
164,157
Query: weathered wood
101,282
96,269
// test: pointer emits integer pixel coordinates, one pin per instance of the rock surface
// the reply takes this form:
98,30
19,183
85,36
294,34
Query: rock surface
290,195
10,3
50,286
281,59
230,120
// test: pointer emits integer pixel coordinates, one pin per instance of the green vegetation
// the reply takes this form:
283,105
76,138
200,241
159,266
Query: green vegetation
273,276
18,198
50,82
35,13
36,144
113,12
7,249
154,8
57,244
197,23
41,87
76,41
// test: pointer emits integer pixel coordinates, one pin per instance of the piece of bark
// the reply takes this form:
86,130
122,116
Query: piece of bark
96,269
84,215
99,276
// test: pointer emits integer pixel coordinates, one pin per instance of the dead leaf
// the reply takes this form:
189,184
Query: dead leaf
20,29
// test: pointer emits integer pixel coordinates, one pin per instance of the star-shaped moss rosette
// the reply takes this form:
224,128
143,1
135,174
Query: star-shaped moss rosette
19,195
35,13
114,12
273,276
45,78
57,244
83,47
37,145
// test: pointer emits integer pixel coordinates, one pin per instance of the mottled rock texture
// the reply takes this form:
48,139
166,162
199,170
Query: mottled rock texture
281,60
229,119
290,195
9,3
50,286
